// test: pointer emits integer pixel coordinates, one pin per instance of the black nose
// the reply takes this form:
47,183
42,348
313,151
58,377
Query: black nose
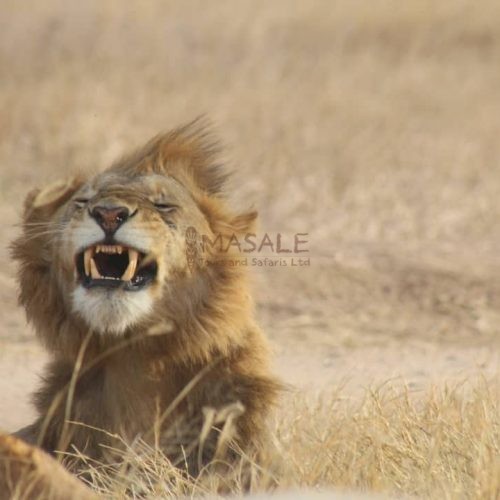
110,218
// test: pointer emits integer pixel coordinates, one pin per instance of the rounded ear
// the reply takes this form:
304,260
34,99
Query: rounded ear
44,202
245,222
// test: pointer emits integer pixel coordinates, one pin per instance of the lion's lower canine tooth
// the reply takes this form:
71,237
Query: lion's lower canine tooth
148,259
132,265
93,270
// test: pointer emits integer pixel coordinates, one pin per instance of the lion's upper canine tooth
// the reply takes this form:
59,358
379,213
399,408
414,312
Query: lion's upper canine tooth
86,260
94,271
132,265
119,249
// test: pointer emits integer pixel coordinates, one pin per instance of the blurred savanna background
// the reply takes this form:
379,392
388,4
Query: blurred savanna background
372,126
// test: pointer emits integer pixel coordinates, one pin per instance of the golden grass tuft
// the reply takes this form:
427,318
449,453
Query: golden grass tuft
445,444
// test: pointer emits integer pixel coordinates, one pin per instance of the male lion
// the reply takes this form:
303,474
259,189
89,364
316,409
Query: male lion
151,335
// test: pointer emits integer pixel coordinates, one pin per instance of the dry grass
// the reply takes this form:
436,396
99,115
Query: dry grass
373,126
443,445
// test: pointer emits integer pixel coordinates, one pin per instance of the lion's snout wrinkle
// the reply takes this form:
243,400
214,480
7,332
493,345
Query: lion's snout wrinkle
144,318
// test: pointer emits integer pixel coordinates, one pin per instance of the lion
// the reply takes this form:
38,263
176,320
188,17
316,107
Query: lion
150,331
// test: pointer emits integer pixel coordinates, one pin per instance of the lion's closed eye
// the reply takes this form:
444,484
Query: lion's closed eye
166,208
81,202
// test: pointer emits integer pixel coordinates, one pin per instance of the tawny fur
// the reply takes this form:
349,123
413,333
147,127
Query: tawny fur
199,331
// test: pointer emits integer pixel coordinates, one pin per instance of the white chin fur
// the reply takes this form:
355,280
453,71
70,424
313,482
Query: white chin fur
111,311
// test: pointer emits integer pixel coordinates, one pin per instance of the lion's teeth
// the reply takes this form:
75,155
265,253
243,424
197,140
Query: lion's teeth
86,261
94,271
132,265
109,249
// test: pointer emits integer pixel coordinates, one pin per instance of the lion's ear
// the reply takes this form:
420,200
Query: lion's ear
43,203
188,153
245,222
227,226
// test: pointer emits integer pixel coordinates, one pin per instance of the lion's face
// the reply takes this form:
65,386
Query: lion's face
122,239
118,250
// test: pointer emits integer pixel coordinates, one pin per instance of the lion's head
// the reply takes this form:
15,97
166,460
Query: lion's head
113,251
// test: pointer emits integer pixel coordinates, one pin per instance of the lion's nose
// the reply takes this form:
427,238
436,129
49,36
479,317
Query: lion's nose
110,219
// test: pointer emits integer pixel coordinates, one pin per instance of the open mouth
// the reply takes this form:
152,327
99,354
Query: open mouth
114,266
